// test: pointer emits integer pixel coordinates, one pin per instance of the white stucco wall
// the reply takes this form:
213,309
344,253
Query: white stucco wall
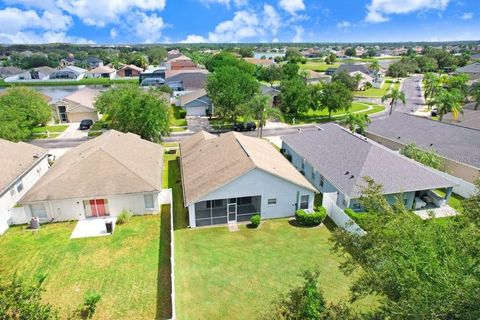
8,201
73,209
260,183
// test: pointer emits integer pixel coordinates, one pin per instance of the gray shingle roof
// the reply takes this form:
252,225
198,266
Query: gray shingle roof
451,141
345,159
470,68
349,67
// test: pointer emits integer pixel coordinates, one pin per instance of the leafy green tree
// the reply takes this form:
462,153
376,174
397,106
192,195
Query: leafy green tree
294,96
447,101
346,79
315,92
132,109
139,60
227,59
475,93
356,122
426,64
471,206
229,88
21,110
245,52
429,158
305,302
156,54
394,96
336,96
290,70
357,77
260,109
351,52
422,269
271,74
293,55
22,300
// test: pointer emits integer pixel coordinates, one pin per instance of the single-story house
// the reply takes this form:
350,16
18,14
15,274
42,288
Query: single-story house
129,71
21,166
77,106
196,103
100,177
39,73
68,73
6,72
351,68
473,70
101,72
458,145
232,177
337,161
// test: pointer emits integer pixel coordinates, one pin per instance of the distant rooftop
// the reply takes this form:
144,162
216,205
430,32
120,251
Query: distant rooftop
451,141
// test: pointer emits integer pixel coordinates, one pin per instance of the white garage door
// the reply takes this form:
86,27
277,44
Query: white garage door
196,111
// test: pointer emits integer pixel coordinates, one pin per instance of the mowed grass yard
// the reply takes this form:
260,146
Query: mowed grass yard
318,66
236,275
130,269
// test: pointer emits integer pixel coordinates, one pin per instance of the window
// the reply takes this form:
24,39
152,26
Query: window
272,201
149,203
304,202
19,187
321,182
303,164
313,175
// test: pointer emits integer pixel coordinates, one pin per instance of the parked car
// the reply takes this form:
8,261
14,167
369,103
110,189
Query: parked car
85,124
434,112
245,126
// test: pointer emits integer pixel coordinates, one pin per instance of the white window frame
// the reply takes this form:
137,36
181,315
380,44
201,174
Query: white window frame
145,201
272,204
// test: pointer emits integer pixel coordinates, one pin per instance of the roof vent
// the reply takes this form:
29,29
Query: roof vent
431,144
36,156
347,172
352,176
398,138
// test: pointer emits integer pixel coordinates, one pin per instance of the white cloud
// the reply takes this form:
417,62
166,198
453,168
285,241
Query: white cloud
379,10
299,31
31,37
292,6
113,33
148,27
14,20
193,38
344,24
39,4
467,16
102,12
271,18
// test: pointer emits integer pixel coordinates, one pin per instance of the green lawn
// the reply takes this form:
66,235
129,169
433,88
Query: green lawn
317,65
374,92
317,116
57,128
177,119
236,275
126,268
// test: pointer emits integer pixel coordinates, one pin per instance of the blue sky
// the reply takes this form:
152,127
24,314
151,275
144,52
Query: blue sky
166,21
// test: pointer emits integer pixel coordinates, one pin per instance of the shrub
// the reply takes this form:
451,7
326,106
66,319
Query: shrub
90,304
255,220
349,212
314,218
124,216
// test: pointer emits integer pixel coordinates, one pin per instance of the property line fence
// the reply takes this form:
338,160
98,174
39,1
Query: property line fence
338,216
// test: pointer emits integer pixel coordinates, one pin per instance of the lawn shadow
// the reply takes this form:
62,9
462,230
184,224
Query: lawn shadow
294,223
180,215
164,277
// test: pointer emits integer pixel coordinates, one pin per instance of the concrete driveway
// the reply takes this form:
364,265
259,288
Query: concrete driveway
73,132
197,123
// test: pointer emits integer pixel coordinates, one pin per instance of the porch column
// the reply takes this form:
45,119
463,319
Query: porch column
448,194
191,215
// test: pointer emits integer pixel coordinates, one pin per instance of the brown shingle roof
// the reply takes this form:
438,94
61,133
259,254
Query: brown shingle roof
210,162
15,159
114,163
84,97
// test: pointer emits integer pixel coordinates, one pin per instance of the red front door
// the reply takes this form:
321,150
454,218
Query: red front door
98,207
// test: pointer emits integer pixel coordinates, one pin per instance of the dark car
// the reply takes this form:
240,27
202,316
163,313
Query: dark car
245,126
86,124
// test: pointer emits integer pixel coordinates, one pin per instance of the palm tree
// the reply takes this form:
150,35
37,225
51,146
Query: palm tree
358,78
260,109
459,83
448,101
394,95
431,84
475,93
356,122
374,66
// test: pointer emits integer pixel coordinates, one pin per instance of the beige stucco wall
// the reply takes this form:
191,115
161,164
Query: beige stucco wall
457,169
